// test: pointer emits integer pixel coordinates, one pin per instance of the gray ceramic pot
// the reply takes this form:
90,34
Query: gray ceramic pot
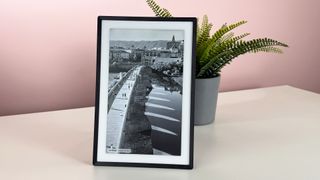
206,95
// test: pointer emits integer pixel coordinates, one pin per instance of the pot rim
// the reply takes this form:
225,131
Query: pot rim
209,77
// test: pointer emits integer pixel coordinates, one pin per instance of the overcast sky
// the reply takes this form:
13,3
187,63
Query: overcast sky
144,34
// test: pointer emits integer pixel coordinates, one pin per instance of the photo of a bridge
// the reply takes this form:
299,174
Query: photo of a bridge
145,92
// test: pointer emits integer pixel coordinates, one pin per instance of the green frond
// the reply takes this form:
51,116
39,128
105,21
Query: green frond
160,12
238,48
227,36
225,29
213,51
209,45
268,50
241,36
166,13
203,31
216,36
203,48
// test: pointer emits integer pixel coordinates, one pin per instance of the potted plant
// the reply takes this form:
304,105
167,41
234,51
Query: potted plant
213,52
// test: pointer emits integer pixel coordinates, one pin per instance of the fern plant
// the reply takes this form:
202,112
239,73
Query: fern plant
215,51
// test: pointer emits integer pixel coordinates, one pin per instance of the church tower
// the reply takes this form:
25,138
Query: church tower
173,43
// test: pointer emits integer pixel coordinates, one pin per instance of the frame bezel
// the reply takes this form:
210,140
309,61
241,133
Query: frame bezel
97,91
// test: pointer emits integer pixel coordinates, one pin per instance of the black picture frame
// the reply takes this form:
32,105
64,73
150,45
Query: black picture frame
136,27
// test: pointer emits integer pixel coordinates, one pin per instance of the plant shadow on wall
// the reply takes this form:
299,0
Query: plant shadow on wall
213,52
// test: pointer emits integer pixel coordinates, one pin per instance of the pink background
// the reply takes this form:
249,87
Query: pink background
47,48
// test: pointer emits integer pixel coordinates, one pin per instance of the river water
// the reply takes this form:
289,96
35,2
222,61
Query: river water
163,109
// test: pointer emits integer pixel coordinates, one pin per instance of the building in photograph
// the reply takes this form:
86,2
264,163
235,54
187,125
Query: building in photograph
173,44
138,55
118,54
175,48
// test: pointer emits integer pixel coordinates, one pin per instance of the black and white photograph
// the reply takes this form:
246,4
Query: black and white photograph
144,80
145,90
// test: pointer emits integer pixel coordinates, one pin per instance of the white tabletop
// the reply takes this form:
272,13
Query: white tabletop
265,134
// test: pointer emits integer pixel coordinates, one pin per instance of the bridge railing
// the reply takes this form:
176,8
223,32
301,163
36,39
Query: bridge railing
116,88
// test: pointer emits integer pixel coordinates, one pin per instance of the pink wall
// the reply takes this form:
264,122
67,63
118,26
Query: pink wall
47,48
